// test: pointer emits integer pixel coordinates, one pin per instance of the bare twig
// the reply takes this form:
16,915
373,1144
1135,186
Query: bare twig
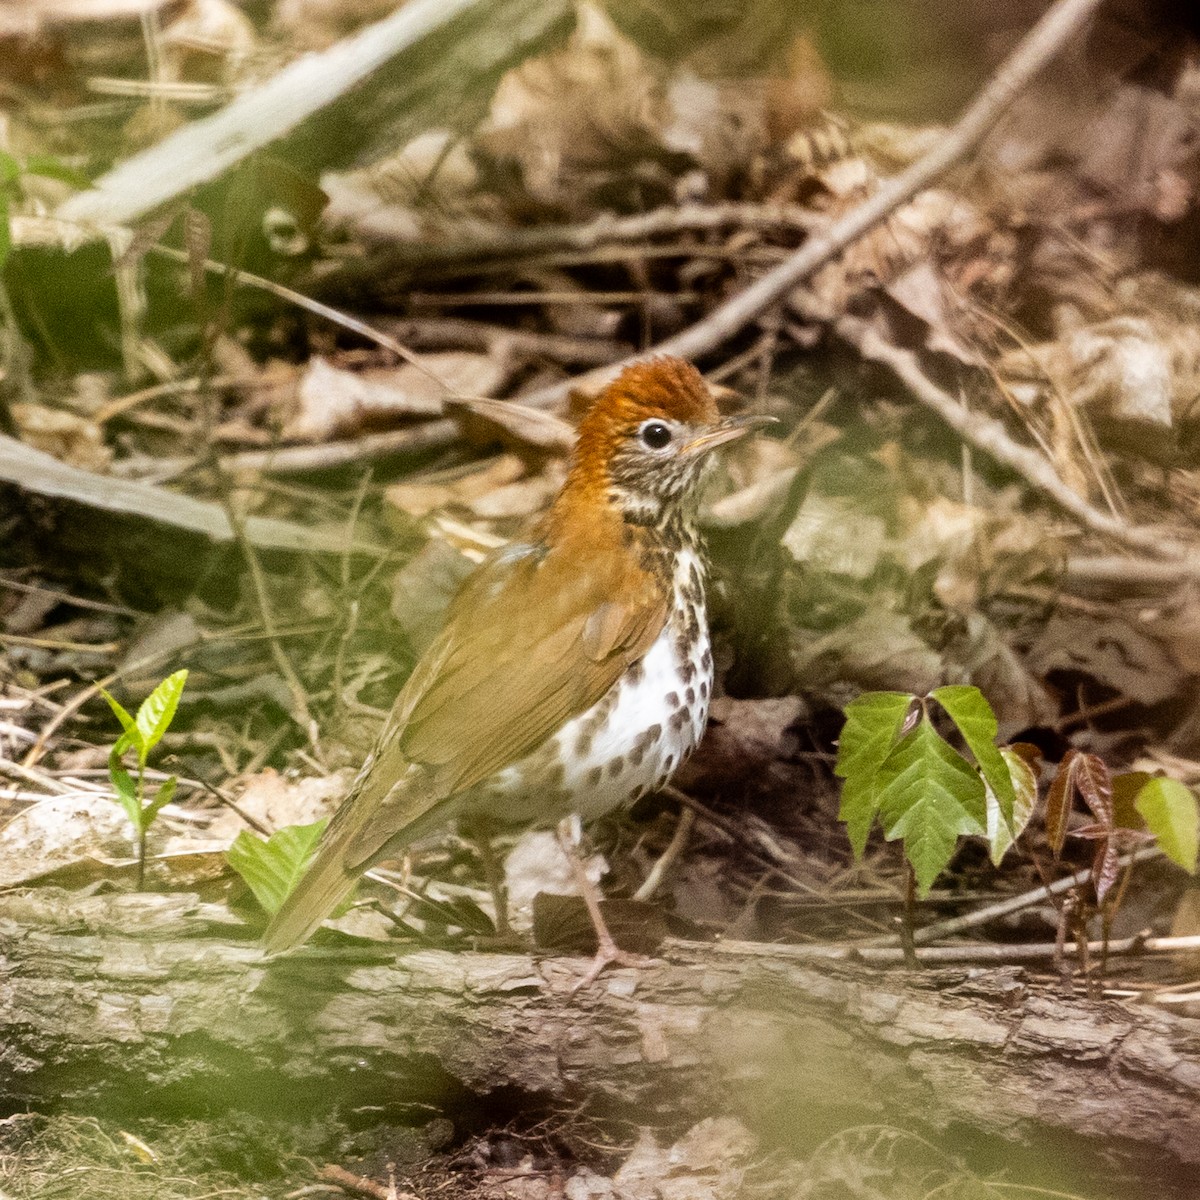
983,952
15,770
90,692
302,714
605,230
990,436
1044,42
1002,908
658,872
204,149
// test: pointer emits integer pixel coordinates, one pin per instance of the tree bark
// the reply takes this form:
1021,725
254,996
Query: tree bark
161,1003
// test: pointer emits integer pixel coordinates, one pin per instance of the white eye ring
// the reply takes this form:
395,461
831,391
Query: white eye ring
655,434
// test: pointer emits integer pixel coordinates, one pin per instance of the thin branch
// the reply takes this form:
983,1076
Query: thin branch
302,714
1044,42
1002,908
890,956
989,435
605,230
676,846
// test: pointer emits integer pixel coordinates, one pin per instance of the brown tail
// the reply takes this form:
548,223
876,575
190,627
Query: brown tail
326,885
388,806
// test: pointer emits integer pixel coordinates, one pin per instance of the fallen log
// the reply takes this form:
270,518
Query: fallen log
165,1002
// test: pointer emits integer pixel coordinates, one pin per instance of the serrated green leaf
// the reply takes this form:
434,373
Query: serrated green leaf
1000,833
873,723
158,710
929,795
126,789
163,797
272,868
977,723
1169,810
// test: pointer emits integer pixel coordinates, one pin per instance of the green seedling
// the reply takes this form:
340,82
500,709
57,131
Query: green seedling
142,734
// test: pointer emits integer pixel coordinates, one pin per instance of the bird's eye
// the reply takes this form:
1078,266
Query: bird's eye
655,435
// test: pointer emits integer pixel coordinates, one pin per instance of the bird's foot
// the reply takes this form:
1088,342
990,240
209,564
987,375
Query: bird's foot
609,954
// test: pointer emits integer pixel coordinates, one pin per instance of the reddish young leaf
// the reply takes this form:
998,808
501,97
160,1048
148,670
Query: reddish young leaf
1093,782
1104,867
1058,803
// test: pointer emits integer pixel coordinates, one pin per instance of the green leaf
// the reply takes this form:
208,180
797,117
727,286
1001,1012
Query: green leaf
977,723
5,231
1023,773
10,170
127,722
929,795
158,710
163,797
873,722
126,789
1169,809
49,167
272,868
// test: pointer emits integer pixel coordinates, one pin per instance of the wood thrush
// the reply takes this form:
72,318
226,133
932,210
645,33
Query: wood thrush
574,671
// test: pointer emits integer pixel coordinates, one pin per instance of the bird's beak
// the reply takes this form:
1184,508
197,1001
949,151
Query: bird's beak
728,431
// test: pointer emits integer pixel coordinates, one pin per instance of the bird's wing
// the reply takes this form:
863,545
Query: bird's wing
533,639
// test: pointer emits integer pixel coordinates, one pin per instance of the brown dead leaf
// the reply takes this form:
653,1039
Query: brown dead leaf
275,801
527,426
331,401
1111,651
419,498
208,39
575,114
70,438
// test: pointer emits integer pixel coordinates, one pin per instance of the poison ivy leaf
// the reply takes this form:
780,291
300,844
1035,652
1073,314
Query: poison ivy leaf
1169,809
272,868
977,723
1058,803
158,710
1093,781
1022,769
929,795
873,723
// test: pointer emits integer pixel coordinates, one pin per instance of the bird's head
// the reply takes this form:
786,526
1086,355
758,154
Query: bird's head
645,441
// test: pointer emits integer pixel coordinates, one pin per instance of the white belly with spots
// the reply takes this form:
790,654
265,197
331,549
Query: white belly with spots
650,729
632,740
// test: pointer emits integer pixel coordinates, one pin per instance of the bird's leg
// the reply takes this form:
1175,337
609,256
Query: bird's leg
480,833
607,951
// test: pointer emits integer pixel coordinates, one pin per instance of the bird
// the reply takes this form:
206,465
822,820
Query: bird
574,670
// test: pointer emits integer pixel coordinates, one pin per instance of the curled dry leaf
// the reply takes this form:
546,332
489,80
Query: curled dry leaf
208,37
425,190
421,497
70,438
577,114
332,402
516,422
